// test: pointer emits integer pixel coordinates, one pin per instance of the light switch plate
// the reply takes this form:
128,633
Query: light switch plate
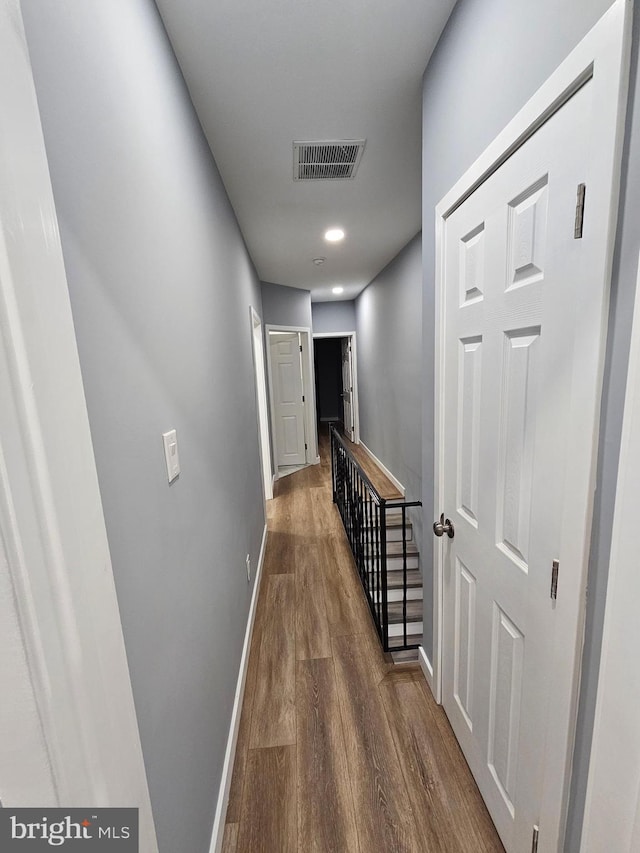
170,441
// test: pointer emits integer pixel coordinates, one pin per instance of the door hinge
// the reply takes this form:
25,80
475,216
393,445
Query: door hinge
534,843
300,347
555,568
577,230
303,398
305,447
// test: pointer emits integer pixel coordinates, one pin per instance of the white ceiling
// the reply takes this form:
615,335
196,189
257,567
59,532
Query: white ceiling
263,73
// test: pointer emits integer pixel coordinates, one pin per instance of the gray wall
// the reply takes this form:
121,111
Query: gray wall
160,287
333,316
389,353
285,306
493,55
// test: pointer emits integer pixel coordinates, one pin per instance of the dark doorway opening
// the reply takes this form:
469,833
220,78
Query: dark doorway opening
327,354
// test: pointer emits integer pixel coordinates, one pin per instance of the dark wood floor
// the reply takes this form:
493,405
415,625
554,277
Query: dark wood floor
339,751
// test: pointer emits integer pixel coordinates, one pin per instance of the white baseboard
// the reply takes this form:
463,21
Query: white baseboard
427,669
385,470
217,834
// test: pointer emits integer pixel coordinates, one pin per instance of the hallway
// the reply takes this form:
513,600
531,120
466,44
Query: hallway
338,749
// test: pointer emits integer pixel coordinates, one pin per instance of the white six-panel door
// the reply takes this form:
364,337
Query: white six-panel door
286,372
514,337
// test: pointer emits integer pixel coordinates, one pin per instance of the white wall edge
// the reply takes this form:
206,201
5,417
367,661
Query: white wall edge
615,747
384,469
262,404
217,834
427,669
56,560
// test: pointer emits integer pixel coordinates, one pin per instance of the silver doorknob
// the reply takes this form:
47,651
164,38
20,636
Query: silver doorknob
443,526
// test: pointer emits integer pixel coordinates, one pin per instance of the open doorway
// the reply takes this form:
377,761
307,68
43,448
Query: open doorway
291,398
261,401
336,382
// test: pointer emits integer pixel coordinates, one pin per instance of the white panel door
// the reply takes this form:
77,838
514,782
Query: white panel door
515,339
347,389
286,372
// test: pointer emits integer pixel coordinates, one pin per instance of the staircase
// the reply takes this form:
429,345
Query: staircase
381,537
396,588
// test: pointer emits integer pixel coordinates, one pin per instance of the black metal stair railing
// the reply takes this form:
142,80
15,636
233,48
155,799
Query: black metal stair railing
364,514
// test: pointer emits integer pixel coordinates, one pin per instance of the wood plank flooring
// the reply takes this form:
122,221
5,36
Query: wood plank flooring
273,721
338,750
324,784
312,628
268,820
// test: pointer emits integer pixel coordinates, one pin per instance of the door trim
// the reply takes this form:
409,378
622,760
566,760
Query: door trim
264,440
603,58
308,389
613,822
354,369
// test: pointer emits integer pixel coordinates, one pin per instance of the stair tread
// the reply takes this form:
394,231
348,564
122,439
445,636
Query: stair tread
395,579
414,611
393,524
404,656
412,639
394,549
395,515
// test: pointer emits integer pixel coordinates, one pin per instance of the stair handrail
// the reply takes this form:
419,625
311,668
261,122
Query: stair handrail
337,437
380,615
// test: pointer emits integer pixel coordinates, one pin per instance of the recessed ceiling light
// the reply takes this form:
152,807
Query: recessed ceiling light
334,235
319,261
337,290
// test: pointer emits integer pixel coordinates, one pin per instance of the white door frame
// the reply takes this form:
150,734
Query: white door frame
52,530
602,57
257,346
354,370
308,388
612,806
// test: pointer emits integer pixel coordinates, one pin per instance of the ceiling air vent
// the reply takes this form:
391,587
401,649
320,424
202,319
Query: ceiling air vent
337,159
